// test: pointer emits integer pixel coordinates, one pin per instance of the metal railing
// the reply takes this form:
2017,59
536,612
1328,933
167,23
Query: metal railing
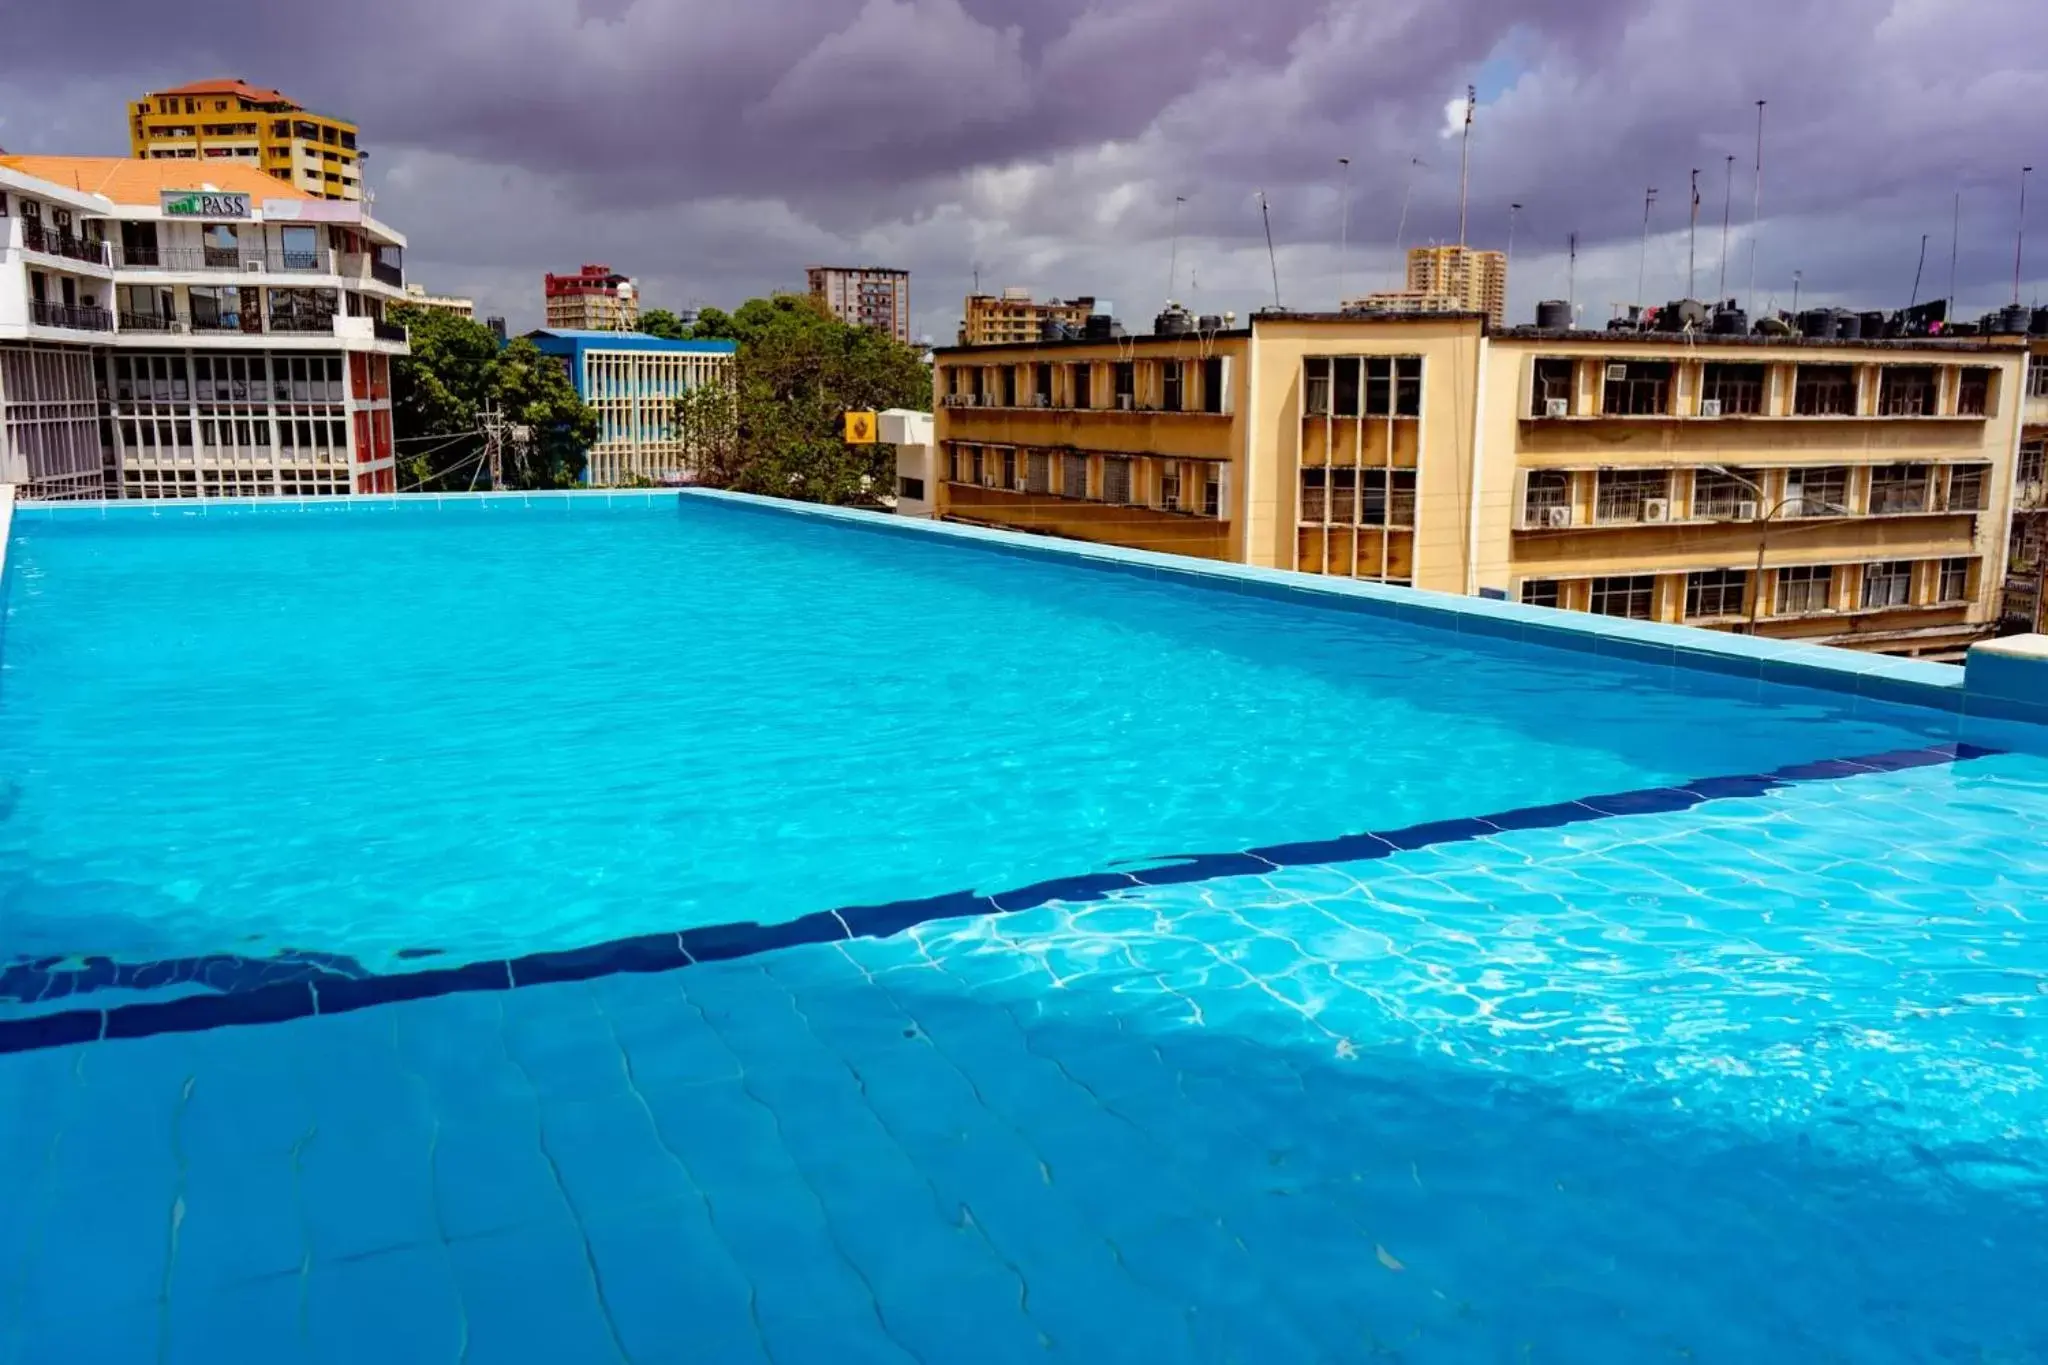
215,324
78,319
36,237
302,322
316,261
387,274
388,331
154,322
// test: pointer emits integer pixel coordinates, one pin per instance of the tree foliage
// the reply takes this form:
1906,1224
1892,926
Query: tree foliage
778,427
439,392
660,322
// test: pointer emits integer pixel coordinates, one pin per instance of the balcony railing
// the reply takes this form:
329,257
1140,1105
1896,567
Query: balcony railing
154,322
387,274
251,323
318,261
388,331
36,237
322,323
77,319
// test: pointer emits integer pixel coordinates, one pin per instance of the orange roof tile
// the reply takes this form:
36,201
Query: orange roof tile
128,180
228,86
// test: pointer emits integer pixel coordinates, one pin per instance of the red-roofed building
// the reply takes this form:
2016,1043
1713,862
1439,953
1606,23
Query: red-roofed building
231,121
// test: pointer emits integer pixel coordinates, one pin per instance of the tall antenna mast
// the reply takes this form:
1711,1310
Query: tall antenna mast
2019,243
1692,237
1344,236
1727,198
1955,234
1756,209
1271,260
1173,256
1513,209
1401,231
1916,273
1643,266
1571,275
1465,159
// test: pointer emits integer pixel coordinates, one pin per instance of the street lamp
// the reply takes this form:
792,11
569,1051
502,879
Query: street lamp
1756,587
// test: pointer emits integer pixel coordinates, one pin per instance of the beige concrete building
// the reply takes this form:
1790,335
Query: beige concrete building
866,296
231,120
596,298
416,296
1851,493
1013,316
2026,584
1477,279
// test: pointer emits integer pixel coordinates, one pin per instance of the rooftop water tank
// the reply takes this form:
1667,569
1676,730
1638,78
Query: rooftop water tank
1848,327
1730,322
1554,315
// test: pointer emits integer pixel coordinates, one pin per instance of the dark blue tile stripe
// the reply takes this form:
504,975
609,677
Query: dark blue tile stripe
300,985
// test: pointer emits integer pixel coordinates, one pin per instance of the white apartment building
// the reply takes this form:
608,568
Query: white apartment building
174,329
634,381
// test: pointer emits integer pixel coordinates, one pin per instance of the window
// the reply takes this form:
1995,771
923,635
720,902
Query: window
1739,389
909,488
1726,495
1623,494
1631,596
1966,487
1889,584
1314,506
1084,385
1169,486
1006,386
1344,396
1212,493
1074,475
2033,462
1038,472
1953,583
1820,492
2037,376
1386,497
1542,592
1905,390
1212,384
1009,469
1318,404
975,476
1364,386
1553,384
1344,496
1116,480
1041,384
1547,488
1639,388
1125,383
1170,381
1716,592
1898,488
1804,589
1824,391
1973,392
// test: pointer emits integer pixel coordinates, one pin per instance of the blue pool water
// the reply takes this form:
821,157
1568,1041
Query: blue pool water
1753,1071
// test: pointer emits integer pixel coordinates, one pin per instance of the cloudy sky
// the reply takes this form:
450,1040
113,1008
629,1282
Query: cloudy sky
712,149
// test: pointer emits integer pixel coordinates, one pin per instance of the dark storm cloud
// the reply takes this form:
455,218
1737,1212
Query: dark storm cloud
713,148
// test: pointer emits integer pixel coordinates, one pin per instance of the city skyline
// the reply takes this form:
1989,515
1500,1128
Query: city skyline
713,157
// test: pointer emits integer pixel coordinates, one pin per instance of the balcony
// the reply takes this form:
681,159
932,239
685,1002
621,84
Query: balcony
389,331
76,319
317,261
154,322
36,237
387,274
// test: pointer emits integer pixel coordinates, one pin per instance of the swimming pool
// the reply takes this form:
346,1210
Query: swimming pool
646,928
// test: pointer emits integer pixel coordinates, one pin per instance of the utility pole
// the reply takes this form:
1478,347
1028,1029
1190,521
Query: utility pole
494,425
1727,198
1910,303
1344,236
1513,209
1173,256
1955,236
1692,237
2019,244
1756,209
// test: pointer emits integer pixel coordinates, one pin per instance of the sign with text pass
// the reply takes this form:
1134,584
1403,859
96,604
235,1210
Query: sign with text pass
860,428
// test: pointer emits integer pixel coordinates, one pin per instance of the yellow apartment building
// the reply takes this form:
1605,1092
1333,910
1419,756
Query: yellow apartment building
231,120
1841,492
1014,316
2026,583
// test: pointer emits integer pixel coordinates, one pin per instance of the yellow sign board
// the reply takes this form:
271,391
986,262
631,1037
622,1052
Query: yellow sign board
860,428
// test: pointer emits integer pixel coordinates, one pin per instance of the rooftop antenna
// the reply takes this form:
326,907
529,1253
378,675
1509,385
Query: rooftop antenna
1916,273
2019,244
1571,271
1955,233
1173,257
1513,209
1271,260
1756,210
1401,231
1727,198
1692,237
1795,291
1344,235
1643,266
1465,158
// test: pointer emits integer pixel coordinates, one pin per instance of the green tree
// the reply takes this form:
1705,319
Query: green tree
778,427
439,392
660,322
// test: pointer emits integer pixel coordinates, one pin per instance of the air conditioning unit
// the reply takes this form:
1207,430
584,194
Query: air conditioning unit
1556,518
1745,511
253,264
1125,402
970,400
1656,509
1616,373
1557,407
1710,407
